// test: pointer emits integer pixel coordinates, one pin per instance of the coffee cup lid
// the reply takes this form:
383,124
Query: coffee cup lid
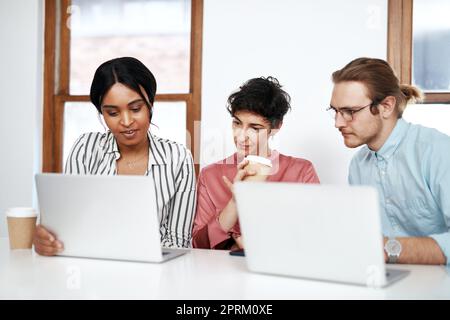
258,159
21,212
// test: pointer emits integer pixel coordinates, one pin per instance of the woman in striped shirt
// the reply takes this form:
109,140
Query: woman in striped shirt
123,91
257,110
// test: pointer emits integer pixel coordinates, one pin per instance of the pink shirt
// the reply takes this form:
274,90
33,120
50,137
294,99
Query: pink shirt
213,196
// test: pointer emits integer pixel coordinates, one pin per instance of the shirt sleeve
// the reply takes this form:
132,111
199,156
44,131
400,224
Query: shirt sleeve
207,233
182,207
75,163
352,180
310,175
440,187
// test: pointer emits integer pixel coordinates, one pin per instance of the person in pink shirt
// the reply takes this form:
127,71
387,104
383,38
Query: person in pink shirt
257,110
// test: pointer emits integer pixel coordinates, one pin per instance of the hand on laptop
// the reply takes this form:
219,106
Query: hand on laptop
45,243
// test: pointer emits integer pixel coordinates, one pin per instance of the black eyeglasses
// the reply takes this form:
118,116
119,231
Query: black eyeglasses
346,113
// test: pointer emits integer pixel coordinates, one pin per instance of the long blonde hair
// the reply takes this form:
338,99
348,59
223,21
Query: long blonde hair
381,82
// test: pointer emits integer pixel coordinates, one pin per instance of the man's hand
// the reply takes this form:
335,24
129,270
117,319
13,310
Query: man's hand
419,250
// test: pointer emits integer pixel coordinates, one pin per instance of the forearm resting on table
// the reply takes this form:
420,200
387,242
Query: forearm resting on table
417,250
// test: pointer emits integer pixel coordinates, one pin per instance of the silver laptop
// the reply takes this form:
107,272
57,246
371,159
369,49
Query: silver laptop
323,232
106,217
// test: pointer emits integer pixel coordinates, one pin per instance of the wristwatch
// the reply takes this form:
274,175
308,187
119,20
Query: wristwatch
393,249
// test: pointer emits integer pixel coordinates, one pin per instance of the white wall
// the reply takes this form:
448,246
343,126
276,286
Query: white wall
429,115
21,36
300,43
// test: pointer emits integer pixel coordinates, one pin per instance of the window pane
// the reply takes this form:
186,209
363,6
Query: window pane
169,119
431,45
79,118
157,32
429,115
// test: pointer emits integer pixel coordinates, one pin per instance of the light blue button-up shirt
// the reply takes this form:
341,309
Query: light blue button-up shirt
412,174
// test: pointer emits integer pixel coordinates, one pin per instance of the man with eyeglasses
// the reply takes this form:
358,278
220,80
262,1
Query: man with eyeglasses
408,164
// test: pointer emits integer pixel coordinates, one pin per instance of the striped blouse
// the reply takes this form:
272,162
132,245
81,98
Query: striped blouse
171,166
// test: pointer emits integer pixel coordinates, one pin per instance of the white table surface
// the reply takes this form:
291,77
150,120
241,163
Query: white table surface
199,274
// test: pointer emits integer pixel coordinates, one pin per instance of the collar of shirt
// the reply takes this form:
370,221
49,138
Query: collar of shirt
391,144
109,145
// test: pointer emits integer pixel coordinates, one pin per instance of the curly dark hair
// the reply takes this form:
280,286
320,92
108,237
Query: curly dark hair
262,96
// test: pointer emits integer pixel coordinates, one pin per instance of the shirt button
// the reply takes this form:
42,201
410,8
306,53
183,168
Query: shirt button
388,201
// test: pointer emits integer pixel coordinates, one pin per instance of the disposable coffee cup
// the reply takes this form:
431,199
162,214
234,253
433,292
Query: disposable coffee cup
260,165
21,225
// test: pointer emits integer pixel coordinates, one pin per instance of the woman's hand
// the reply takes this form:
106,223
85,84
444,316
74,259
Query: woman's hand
238,241
46,243
229,217
241,174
